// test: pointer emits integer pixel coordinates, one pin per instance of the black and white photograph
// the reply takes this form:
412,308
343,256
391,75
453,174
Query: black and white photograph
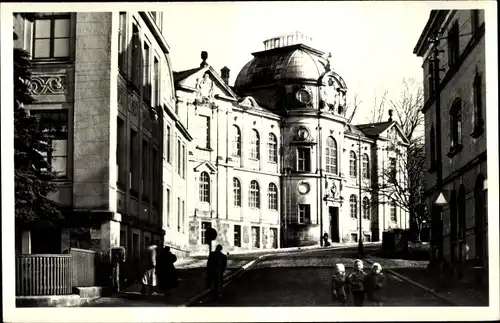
224,160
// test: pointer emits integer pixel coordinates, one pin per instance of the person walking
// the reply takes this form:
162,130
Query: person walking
356,282
165,270
216,265
149,270
374,282
339,288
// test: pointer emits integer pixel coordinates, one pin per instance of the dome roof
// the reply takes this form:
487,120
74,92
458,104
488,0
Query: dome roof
297,62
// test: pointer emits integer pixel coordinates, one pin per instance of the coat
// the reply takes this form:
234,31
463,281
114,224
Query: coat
216,265
339,287
165,270
373,286
356,281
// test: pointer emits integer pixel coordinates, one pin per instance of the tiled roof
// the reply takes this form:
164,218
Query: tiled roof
352,129
374,129
179,76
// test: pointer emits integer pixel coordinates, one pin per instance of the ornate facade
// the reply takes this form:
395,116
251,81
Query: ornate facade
274,161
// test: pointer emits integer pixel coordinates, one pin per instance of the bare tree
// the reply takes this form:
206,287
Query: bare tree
353,105
377,111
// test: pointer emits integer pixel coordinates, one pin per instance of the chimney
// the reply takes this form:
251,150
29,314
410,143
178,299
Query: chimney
224,73
204,56
390,115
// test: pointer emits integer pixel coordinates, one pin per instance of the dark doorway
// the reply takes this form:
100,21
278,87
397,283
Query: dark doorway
333,212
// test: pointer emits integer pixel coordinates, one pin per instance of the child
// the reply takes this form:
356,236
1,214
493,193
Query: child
374,282
339,285
356,283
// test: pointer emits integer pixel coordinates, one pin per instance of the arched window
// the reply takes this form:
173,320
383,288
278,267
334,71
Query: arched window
352,164
272,146
236,141
236,192
273,196
331,155
366,166
353,203
254,144
392,211
204,187
254,196
366,208
456,123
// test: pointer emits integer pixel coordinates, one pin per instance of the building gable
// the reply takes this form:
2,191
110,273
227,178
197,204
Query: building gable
206,83
205,166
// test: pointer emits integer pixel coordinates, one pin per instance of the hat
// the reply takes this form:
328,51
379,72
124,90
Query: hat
340,267
376,265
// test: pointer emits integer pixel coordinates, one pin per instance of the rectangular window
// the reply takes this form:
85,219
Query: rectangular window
122,41
178,214
55,128
156,83
305,213
136,59
184,161
204,227
167,208
205,133
273,236
51,37
134,143
147,73
256,237
392,212
456,124
392,168
183,216
237,235
120,155
167,145
303,159
453,44
354,237
179,157
145,169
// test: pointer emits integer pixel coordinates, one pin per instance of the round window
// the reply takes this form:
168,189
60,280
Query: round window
303,96
303,187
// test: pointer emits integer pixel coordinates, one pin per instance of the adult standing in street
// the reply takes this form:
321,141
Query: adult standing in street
149,270
356,281
165,270
216,265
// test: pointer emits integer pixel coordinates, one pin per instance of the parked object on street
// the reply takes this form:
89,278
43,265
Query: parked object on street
374,282
356,281
216,265
149,279
339,288
165,270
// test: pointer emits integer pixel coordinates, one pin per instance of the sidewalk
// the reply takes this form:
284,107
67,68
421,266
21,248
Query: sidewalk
191,279
459,293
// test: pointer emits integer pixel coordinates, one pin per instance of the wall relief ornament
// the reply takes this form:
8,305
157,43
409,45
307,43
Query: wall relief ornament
47,84
204,89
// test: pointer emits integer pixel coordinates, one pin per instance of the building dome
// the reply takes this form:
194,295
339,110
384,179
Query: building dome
286,58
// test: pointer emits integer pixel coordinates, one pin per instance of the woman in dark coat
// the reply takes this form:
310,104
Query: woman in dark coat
167,276
374,282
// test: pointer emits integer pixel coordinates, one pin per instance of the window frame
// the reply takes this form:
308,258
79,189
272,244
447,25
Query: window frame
204,187
393,214
453,44
365,163
51,38
353,206
331,155
478,121
272,147
204,226
237,235
272,194
304,213
303,162
122,40
236,149
254,195
456,127
366,208
254,145
353,160
236,192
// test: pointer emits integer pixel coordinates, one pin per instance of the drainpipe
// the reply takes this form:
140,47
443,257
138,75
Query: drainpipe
320,200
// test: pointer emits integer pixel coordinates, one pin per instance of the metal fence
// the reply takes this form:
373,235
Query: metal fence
84,267
43,274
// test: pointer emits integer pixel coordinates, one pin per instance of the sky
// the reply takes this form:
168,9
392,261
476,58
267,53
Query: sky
371,42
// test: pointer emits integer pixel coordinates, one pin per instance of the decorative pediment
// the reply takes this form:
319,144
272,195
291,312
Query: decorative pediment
249,103
206,166
333,93
395,134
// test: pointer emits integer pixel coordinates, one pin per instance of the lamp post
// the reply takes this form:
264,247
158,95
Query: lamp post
439,203
360,239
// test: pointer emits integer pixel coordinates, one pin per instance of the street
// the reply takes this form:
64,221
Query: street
303,279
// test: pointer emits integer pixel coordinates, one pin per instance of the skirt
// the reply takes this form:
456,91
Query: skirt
149,278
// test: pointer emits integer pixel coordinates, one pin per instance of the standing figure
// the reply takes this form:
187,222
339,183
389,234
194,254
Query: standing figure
216,265
339,286
356,281
326,243
374,282
149,270
165,271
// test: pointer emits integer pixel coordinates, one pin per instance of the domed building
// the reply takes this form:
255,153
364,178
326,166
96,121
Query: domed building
286,165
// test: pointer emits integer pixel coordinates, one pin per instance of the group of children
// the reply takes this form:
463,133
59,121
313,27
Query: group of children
358,284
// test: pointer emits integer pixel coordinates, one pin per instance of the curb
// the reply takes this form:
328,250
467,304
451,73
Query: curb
408,280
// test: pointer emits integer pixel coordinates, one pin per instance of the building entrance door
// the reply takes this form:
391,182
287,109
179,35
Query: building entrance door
333,212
